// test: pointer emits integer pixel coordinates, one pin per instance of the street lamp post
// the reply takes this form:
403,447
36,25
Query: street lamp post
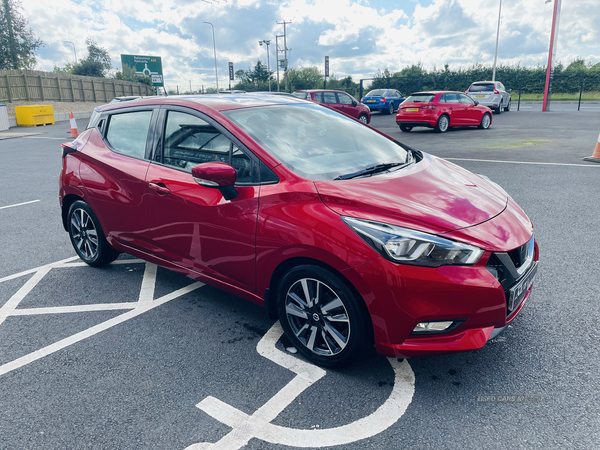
497,37
74,50
215,50
267,42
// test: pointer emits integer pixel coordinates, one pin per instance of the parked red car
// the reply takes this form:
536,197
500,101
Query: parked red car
338,100
441,110
348,237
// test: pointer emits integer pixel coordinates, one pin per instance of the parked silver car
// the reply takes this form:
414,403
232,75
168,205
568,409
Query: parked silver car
492,94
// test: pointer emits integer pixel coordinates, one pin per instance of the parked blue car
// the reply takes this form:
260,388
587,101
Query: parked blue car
384,100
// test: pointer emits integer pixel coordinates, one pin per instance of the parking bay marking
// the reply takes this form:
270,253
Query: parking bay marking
145,303
19,204
258,425
522,162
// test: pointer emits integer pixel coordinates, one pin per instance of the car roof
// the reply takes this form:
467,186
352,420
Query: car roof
436,92
217,102
487,82
321,90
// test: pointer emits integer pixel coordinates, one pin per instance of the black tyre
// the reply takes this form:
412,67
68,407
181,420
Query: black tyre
499,109
321,316
442,124
390,110
405,128
87,236
363,118
507,108
486,121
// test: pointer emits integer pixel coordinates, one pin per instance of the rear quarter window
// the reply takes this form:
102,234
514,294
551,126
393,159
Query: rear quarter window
127,133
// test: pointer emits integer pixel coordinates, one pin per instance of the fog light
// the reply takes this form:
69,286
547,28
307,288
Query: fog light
425,327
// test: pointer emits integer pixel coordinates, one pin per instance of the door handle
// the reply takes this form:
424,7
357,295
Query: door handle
159,187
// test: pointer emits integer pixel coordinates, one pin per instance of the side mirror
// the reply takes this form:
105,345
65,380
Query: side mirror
354,103
216,175
509,91
476,102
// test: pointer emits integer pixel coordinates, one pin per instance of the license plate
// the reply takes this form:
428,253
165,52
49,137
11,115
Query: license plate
481,96
517,293
412,109
371,101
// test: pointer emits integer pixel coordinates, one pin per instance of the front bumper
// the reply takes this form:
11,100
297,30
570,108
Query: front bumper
407,295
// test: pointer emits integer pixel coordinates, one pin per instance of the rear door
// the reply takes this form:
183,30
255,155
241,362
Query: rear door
192,225
455,109
113,169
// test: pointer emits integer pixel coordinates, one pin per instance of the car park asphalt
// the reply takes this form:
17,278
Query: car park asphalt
99,365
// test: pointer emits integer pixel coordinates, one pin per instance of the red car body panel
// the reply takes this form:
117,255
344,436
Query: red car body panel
437,197
429,113
239,245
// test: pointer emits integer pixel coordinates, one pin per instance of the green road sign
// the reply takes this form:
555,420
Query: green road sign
145,65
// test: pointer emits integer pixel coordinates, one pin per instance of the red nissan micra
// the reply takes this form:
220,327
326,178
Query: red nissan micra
348,237
441,110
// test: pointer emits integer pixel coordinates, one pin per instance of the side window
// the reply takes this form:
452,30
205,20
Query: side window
466,99
318,97
190,141
344,99
452,98
329,97
127,132
442,98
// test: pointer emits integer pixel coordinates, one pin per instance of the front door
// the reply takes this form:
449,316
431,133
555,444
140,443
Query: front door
471,113
194,226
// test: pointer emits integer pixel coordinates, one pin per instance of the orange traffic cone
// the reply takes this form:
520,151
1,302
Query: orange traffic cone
73,126
596,156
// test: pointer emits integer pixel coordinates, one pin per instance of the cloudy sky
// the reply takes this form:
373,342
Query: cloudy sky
360,36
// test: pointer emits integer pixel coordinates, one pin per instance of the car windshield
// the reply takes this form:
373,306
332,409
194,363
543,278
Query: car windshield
377,93
486,87
420,98
316,142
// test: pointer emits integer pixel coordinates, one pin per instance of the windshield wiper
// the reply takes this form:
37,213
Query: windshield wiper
371,170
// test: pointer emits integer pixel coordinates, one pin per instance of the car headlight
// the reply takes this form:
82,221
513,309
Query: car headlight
406,246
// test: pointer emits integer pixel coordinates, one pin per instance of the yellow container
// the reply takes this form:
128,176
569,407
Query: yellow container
34,115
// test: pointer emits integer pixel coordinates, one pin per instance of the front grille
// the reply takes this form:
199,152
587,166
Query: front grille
508,268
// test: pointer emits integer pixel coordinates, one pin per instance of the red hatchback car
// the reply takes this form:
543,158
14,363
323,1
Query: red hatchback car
348,237
441,110
338,100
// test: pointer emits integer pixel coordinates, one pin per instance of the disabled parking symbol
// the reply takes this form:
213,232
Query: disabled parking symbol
259,425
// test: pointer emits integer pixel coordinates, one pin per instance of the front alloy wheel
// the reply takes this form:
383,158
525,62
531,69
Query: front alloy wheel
486,120
321,316
363,118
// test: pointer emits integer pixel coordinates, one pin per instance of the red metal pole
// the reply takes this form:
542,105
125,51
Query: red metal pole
551,51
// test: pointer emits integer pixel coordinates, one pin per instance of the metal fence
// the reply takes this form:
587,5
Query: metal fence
33,86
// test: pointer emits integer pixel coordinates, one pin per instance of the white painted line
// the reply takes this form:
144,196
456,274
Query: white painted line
148,283
522,162
14,301
48,137
48,350
74,309
258,425
116,263
19,204
27,272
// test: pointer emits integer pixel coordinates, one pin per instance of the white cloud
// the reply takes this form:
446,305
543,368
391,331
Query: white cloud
361,36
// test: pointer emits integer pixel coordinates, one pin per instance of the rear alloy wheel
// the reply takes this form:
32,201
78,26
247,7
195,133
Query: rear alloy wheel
405,128
499,109
321,316
363,118
486,121
442,124
87,236
391,108
508,106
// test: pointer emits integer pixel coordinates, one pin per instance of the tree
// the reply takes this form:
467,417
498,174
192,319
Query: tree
254,79
97,63
17,42
305,78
